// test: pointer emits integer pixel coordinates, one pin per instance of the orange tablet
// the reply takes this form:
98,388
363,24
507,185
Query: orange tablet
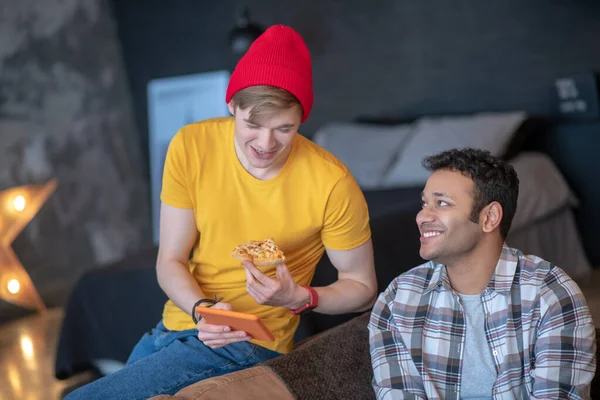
238,321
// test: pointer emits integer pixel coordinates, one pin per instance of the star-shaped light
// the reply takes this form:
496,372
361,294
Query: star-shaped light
18,206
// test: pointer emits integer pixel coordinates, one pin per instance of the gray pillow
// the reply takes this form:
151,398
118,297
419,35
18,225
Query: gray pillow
367,150
489,131
542,189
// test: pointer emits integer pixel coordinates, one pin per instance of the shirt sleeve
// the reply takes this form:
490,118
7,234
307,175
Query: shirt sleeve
565,348
395,375
346,224
175,187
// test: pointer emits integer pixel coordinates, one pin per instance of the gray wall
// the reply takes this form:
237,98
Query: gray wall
385,56
65,113
396,57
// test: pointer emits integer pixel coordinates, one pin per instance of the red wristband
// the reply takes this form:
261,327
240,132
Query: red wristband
311,305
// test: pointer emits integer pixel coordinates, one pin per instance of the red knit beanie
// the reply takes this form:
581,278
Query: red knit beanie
279,57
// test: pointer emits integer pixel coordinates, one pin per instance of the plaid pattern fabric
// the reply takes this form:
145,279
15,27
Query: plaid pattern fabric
538,327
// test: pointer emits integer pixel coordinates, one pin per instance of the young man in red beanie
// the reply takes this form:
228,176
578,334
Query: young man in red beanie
248,177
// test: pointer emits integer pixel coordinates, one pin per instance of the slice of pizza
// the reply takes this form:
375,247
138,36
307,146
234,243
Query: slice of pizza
259,253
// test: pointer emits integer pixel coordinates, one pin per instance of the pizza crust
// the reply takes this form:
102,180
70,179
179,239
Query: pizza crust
260,253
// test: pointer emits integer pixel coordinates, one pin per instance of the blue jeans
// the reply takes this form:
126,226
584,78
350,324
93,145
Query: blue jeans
164,362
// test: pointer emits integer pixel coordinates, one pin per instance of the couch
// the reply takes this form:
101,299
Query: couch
333,365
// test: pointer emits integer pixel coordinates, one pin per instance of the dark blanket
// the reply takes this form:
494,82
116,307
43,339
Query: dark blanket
108,312
334,365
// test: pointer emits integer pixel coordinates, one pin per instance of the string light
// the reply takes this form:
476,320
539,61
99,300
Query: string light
19,203
14,377
14,286
27,347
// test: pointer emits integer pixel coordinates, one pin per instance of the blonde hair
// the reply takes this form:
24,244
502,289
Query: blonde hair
265,101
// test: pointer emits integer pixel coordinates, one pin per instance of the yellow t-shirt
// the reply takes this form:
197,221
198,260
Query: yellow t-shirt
313,202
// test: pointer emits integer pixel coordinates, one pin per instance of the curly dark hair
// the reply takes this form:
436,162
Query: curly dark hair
494,179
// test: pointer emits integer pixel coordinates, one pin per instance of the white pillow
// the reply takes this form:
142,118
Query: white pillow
489,131
367,150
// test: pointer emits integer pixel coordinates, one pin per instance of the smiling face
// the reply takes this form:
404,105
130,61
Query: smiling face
447,232
263,145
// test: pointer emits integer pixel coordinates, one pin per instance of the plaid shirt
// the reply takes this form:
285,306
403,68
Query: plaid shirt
538,327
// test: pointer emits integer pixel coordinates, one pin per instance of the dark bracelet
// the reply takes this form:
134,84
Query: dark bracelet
210,302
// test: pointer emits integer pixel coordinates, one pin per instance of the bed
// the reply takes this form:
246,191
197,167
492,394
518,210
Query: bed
385,157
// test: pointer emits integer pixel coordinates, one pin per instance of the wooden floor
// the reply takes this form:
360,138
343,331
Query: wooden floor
28,345
27,354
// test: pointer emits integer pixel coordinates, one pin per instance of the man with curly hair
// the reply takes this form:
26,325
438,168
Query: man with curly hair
479,320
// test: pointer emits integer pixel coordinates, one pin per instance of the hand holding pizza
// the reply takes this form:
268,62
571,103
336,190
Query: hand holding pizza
281,290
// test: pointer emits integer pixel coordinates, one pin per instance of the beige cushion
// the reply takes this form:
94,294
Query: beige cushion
252,383
542,189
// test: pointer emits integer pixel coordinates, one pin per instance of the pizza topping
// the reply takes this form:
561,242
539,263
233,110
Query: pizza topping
255,251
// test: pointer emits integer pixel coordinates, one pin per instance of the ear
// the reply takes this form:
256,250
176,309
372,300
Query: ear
491,216
231,108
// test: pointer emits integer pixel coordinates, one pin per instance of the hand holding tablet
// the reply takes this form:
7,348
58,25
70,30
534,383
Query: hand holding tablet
251,324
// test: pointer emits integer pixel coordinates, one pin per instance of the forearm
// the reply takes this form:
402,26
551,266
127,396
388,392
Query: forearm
356,287
395,375
344,296
565,346
558,371
177,282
